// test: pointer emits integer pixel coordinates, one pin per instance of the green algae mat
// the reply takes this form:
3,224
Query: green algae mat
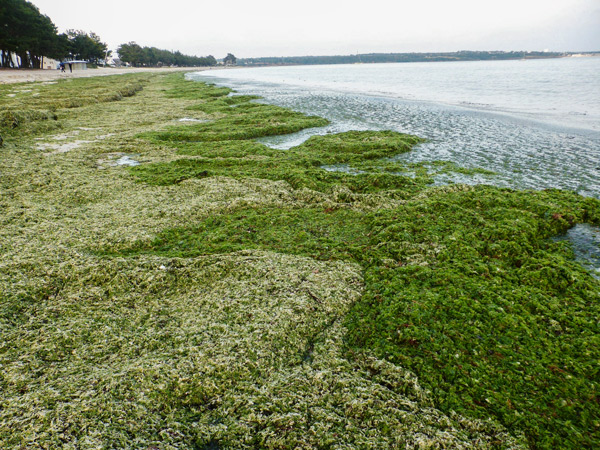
223,294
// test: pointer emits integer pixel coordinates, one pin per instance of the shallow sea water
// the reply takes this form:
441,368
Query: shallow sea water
535,124
585,242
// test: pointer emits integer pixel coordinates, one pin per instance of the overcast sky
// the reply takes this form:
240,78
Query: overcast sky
251,28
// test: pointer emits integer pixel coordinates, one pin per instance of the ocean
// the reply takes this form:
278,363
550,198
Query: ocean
534,123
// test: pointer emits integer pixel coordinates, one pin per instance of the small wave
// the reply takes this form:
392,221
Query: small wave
477,105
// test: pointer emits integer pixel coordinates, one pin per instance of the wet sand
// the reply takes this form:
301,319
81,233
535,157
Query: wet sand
28,75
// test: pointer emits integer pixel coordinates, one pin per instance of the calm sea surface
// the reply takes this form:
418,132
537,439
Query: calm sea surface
535,123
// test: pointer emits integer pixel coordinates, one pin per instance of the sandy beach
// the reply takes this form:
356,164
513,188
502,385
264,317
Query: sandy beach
28,75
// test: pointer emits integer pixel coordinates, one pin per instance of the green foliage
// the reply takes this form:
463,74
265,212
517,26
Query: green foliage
138,56
230,60
84,46
26,33
29,35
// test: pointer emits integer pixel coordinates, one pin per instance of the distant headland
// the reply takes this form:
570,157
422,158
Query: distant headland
465,55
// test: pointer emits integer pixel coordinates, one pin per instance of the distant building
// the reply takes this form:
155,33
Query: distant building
70,66
114,61
49,63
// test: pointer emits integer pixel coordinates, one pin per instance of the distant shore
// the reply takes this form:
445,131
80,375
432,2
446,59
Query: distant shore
373,58
8,76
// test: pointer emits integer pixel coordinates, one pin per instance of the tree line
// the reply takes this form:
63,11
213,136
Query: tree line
139,56
397,57
26,36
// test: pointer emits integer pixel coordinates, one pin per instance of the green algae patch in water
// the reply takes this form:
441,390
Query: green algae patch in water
247,120
299,166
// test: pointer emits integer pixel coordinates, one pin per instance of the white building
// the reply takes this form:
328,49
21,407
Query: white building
49,63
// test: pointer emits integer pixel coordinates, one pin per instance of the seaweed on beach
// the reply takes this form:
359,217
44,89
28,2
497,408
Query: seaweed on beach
493,317
224,294
25,105
478,256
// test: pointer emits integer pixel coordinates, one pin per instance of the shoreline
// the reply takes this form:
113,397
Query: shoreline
10,76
